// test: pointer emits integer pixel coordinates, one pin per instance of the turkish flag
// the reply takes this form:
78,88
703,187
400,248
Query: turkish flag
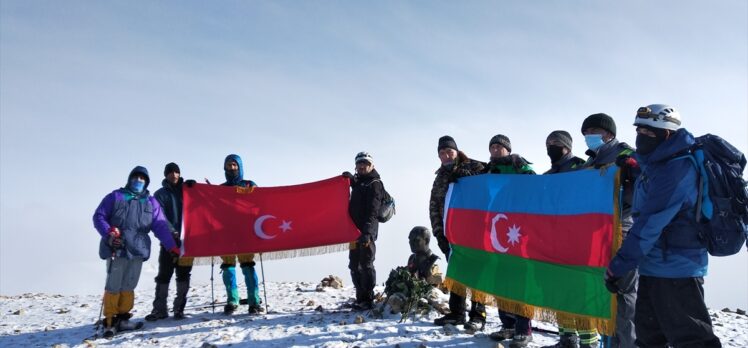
229,220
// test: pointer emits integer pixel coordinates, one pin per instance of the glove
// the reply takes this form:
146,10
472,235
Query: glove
626,161
364,240
611,282
452,178
114,240
177,240
190,182
348,175
174,253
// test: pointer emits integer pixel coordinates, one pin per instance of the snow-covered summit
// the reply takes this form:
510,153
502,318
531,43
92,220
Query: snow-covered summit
299,316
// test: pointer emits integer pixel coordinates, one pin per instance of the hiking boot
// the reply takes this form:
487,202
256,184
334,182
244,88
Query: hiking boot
229,308
127,325
474,325
109,332
567,341
255,309
503,334
520,341
453,319
363,306
156,315
181,299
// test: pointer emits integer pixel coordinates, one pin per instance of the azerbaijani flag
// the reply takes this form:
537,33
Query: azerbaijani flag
536,245
278,222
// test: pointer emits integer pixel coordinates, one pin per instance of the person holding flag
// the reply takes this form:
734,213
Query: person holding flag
599,132
234,173
366,197
454,164
170,198
502,161
558,146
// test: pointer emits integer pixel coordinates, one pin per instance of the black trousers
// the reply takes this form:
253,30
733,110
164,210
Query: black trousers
167,266
671,311
363,274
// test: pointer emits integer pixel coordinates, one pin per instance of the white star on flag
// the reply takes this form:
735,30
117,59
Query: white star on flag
286,226
514,234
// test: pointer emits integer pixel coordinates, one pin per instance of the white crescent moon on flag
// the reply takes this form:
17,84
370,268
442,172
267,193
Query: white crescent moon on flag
258,227
494,239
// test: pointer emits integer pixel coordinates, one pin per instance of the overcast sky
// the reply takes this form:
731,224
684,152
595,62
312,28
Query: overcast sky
90,89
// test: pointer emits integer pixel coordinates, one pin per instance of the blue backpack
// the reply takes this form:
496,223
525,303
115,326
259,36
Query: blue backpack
723,195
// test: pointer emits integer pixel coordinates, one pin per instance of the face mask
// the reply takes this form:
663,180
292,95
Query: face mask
137,186
646,144
231,174
555,153
594,141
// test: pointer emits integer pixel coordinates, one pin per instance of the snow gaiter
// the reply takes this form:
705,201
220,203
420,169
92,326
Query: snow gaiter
126,302
181,299
253,288
159,302
457,304
229,280
111,302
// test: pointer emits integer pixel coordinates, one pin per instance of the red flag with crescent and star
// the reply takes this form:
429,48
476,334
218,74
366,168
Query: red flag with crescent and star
230,220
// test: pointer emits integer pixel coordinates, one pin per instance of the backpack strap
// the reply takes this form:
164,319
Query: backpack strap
703,201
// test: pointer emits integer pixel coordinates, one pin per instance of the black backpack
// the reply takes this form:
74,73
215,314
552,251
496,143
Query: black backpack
723,195
387,207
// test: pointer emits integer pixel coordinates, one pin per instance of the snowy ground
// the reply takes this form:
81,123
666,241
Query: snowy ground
299,316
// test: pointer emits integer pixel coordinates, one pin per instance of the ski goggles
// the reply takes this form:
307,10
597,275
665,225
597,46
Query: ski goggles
646,113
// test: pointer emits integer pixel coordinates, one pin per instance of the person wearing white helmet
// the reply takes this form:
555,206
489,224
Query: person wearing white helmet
367,191
664,240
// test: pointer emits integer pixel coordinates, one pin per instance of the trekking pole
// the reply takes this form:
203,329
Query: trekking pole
212,295
116,234
103,298
264,289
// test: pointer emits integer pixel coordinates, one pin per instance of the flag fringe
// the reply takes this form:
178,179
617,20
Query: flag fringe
277,255
561,318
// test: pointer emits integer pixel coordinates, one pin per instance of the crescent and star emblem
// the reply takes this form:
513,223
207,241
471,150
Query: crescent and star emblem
512,234
284,227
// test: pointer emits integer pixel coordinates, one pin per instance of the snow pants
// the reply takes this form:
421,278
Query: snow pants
122,278
671,311
247,264
167,266
363,274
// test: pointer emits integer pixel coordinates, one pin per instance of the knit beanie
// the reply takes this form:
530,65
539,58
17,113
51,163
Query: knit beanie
562,137
171,167
502,140
600,121
446,142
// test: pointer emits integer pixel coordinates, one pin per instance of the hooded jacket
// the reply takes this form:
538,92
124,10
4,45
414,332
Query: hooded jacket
239,179
134,214
664,239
